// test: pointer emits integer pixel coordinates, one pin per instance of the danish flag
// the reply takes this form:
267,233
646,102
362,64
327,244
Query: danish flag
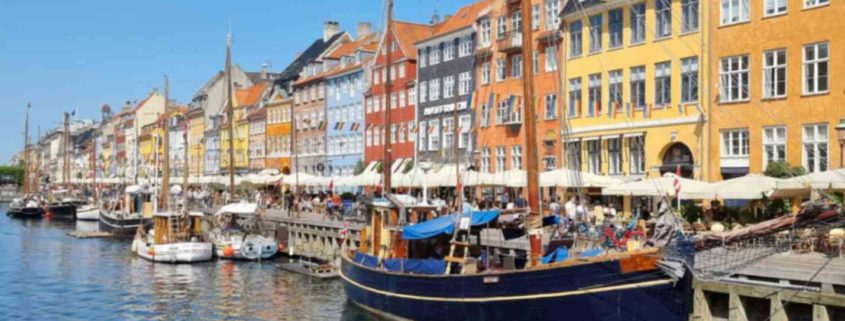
677,181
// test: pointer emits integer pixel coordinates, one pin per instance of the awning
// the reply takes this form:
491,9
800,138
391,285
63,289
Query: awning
444,225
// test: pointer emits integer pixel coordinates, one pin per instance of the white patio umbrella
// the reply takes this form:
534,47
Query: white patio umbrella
832,179
510,178
569,178
748,187
663,186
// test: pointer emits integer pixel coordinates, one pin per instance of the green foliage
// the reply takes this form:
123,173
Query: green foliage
781,169
774,208
378,168
359,167
14,171
347,196
408,167
691,212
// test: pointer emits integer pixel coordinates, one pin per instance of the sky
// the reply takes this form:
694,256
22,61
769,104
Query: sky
78,55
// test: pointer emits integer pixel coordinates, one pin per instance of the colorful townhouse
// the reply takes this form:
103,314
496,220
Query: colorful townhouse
277,133
345,87
196,136
243,99
177,126
146,112
778,97
446,81
632,102
309,100
499,89
399,44
257,119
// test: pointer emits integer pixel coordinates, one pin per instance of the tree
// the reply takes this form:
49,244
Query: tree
781,169
359,167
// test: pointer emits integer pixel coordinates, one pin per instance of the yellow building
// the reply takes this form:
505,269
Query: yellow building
243,98
631,101
778,96
148,140
196,142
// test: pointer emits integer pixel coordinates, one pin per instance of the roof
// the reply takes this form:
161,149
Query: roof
573,6
408,34
368,43
251,95
340,69
257,113
316,48
256,77
465,17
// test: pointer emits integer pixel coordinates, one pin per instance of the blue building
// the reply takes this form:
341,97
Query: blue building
345,87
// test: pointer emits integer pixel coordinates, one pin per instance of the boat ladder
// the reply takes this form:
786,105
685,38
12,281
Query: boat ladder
460,239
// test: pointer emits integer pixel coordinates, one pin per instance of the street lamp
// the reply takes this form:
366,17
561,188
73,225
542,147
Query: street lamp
425,167
840,131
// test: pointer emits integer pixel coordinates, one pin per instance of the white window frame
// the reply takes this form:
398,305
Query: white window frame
464,81
516,66
638,23
663,19
614,156
815,62
464,126
594,156
516,157
771,73
434,89
485,73
448,50
486,33
448,132
774,139
423,94
663,84
815,3
689,80
550,110
449,86
775,7
734,77
501,69
423,131
552,11
734,12
434,136
816,141
734,143
551,59
501,158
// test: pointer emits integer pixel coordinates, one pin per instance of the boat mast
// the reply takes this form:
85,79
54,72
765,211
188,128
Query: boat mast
231,113
459,190
388,84
185,169
65,155
94,177
529,117
165,179
26,178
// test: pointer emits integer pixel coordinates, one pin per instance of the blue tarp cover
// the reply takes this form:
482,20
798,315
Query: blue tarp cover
418,266
559,254
551,220
444,225
366,260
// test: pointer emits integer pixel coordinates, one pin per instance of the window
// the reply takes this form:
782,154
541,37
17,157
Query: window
733,74
501,27
421,57
637,23
401,99
815,75
516,157
774,7
594,156
663,84
448,132
614,156
434,89
516,66
614,87
465,47
774,74
423,87
500,159
636,152
815,3
421,143
663,15
594,95
485,160
393,72
535,17
551,106
464,83
448,86
412,97
689,79
448,51
595,33
485,73
734,11
551,58
735,143
638,87
774,145
516,23
549,163
434,135
575,37
575,97
573,155
464,126
377,131
815,148
434,55
485,115
401,133
552,10
689,15
500,69
614,22
393,101
485,33
535,62
401,68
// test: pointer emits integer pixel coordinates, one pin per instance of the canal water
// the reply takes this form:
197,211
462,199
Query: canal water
47,275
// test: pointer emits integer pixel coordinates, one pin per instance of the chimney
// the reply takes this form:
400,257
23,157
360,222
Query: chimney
330,28
364,29
435,18
264,71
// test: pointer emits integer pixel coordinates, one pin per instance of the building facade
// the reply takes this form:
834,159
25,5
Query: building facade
445,87
243,100
632,101
778,96
403,70
257,138
278,133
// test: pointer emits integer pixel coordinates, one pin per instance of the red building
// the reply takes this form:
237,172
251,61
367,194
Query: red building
403,94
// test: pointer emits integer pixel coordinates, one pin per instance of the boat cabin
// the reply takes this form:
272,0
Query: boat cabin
170,227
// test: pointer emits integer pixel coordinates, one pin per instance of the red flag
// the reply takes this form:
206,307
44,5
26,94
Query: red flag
677,181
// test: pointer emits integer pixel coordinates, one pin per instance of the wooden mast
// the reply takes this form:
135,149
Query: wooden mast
65,153
185,168
26,178
94,176
165,179
459,193
529,119
387,167
230,114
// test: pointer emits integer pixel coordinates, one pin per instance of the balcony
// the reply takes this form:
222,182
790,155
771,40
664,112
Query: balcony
510,42
512,118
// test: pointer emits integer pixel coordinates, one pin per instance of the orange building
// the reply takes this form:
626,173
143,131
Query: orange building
499,98
279,134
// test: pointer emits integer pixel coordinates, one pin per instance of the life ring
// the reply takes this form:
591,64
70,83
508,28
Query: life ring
251,248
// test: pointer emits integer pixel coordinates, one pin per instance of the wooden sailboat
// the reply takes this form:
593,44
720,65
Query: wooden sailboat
27,205
415,265
176,235
60,205
91,211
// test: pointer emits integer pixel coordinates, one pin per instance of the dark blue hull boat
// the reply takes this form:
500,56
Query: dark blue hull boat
589,291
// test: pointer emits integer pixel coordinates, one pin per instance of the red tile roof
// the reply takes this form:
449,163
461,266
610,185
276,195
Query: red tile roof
408,34
465,17
250,96
368,43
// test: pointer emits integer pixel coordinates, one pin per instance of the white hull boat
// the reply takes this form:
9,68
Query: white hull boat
251,247
88,213
182,252
239,234
173,238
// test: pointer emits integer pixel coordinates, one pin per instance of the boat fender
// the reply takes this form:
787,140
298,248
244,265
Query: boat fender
228,251
281,248
151,251
250,249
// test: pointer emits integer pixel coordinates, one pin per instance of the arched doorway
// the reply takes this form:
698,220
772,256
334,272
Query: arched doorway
675,155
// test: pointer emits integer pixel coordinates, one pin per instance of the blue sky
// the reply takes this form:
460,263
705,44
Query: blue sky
64,55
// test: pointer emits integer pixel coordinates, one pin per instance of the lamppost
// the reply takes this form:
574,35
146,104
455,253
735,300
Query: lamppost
840,131
425,167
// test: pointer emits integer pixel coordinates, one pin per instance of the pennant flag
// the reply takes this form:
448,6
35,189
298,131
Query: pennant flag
322,125
511,100
579,110
369,127
492,101
469,99
415,129
430,129
598,107
677,181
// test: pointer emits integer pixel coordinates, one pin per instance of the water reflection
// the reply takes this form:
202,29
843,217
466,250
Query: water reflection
49,275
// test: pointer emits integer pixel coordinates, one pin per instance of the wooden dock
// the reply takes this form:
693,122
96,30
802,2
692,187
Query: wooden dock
89,235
